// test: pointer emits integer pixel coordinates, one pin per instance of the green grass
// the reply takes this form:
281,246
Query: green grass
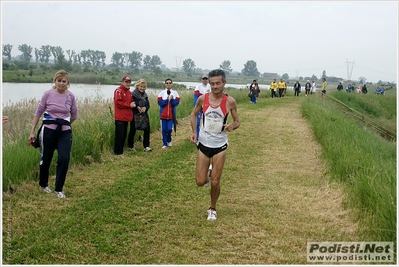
361,159
93,134
382,109
146,209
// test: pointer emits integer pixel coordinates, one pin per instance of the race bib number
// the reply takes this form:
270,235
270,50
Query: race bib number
214,125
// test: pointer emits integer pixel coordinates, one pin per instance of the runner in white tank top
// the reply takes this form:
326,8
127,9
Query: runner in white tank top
212,142
212,133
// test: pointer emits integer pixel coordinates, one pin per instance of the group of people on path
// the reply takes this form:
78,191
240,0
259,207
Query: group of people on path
133,106
208,124
281,86
351,88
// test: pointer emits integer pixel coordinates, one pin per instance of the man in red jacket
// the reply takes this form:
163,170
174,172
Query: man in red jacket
123,113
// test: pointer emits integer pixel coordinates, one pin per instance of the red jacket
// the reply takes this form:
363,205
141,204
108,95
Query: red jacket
122,100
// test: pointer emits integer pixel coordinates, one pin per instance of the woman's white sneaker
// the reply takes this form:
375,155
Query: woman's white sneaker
46,189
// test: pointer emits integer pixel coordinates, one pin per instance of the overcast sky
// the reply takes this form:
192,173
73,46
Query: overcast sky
294,37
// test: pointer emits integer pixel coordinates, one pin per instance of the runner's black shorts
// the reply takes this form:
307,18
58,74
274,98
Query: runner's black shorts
210,152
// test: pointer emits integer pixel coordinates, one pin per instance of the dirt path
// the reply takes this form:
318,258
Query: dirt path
280,198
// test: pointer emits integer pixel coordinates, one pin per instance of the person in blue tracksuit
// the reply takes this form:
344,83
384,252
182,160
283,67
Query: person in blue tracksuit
168,99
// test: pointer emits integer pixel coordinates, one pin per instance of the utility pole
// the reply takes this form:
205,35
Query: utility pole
349,68
178,64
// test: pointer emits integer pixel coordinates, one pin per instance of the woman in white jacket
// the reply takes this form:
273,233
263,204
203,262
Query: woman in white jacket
313,90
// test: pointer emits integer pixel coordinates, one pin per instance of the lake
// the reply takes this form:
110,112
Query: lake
12,93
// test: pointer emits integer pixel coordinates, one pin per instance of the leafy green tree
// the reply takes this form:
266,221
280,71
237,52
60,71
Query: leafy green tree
147,62
77,59
157,71
125,57
26,52
62,63
102,57
226,66
45,53
85,56
71,54
250,69
56,51
116,59
7,51
362,80
285,77
37,56
95,57
188,66
135,59
155,62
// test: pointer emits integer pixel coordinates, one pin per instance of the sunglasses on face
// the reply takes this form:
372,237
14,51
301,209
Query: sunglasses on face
168,83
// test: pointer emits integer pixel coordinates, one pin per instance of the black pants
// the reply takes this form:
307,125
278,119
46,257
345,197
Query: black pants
280,92
273,93
296,93
132,133
52,140
120,136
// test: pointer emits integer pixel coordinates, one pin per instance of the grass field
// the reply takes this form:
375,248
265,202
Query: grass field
284,185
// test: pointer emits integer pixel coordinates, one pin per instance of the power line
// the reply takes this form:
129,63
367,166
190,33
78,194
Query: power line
376,71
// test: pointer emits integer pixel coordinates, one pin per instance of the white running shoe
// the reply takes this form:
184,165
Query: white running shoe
133,149
211,214
147,149
46,189
164,147
60,194
209,175
169,144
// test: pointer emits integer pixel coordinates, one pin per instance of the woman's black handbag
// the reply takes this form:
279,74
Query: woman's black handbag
140,121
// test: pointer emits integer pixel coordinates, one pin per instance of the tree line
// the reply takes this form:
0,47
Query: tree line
135,60
96,58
